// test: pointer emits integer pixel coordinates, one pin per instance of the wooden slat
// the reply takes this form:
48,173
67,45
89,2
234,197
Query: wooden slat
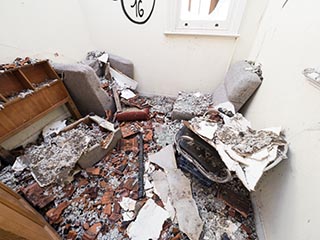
10,84
24,78
11,221
3,99
37,73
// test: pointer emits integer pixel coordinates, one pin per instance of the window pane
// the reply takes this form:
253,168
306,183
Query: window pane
200,9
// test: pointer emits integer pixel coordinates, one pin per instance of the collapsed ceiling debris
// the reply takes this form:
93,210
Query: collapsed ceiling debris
103,200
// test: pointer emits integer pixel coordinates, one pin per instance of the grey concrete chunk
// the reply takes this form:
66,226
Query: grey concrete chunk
84,88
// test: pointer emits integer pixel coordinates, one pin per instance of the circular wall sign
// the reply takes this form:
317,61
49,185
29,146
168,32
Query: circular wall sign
138,11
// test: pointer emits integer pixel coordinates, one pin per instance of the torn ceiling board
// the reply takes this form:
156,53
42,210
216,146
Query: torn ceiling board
148,224
186,209
164,158
161,188
245,151
180,193
122,80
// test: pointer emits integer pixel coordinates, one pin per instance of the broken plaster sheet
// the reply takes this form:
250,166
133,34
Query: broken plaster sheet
54,127
127,94
186,209
103,123
180,191
206,129
104,58
128,204
122,80
161,188
245,151
148,224
164,158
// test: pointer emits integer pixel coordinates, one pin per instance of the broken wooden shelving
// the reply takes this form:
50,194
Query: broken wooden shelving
28,93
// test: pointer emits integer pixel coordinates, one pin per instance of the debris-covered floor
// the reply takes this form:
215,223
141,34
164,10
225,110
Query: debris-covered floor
101,202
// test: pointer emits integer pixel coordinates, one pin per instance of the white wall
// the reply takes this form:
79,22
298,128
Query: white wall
38,28
163,64
287,42
166,64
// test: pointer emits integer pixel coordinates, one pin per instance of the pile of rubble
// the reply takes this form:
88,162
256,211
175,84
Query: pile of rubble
18,62
102,201
138,190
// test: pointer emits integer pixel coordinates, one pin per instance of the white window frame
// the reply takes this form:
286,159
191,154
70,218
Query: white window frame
229,27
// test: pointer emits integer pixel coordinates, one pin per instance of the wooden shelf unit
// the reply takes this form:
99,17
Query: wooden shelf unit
48,93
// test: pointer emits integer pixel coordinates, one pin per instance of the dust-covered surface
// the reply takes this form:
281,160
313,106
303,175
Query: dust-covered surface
56,156
88,207
188,105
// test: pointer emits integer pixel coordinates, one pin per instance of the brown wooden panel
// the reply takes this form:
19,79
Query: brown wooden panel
21,113
38,72
11,221
23,222
10,84
2,98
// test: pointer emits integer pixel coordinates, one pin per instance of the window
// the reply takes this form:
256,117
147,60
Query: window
205,17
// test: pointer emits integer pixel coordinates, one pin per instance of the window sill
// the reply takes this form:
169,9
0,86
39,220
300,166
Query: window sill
199,33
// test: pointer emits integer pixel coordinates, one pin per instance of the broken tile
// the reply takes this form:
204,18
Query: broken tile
93,171
54,214
37,196
92,232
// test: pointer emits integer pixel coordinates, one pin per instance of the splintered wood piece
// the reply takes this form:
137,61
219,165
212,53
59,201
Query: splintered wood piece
236,201
2,98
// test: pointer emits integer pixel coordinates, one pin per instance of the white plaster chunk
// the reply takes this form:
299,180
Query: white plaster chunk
103,123
128,216
104,58
148,224
128,204
54,127
127,94
164,158
207,129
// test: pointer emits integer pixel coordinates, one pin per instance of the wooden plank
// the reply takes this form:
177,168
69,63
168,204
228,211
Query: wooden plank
3,99
34,119
10,84
24,78
37,73
11,221
6,156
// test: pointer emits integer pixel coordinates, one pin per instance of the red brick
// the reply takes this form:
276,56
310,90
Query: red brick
93,171
72,235
107,209
115,217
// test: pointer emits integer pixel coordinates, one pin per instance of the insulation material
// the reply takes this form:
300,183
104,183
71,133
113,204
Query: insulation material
56,157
